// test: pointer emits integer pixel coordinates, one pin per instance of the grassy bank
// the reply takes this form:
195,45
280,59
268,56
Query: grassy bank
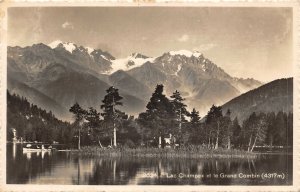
183,152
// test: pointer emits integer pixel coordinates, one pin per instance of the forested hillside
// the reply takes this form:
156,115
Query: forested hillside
33,123
272,97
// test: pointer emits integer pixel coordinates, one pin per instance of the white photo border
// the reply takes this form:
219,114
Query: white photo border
4,5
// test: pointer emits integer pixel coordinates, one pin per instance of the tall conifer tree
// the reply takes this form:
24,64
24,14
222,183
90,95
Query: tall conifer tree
180,113
79,115
110,113
157,120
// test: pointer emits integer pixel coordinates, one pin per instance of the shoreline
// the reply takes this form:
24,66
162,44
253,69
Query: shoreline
185,152
200,153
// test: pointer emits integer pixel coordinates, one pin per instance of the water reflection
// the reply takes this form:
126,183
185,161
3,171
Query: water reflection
67,168
14,150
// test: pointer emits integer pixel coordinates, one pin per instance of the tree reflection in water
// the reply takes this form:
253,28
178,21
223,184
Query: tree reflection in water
52,168
113,171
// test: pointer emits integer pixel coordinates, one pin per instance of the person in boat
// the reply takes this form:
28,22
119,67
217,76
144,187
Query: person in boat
32,147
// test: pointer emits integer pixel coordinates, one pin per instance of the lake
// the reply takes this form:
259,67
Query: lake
66,168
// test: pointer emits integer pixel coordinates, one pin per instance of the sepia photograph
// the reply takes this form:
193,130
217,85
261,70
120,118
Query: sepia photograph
149,95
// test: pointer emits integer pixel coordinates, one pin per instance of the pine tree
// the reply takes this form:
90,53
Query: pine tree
93,117
93,124
79,115
280,128
236,130
227,129
213,119
197,134
195,118
110,114
180,112
157,119
271,132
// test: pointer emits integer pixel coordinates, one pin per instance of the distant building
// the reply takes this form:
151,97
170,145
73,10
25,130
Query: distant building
169,141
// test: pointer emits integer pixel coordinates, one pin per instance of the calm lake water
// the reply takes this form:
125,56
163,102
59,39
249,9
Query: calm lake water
66,168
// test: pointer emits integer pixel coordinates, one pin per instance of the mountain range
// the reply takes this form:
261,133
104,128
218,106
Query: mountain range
57,75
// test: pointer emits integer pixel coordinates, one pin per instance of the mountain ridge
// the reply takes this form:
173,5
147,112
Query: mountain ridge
46,69
274,96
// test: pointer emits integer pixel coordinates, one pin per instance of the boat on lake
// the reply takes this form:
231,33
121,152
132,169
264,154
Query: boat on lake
36,148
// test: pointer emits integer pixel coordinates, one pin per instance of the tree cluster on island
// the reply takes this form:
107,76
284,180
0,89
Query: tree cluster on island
163,116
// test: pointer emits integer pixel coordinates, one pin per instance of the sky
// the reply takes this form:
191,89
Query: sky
246,42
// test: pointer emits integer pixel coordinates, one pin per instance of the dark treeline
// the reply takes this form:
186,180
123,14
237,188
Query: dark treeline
164,117
33,123
259,129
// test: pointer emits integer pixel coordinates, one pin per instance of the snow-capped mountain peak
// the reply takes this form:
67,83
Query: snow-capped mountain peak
90,50
68,46
130,62
138,55
54,44
185,53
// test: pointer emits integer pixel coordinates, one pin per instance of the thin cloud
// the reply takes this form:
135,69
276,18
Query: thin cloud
205,47
67,25
183,38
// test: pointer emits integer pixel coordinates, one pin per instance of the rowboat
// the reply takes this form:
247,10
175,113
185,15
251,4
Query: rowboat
34,150
30,148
